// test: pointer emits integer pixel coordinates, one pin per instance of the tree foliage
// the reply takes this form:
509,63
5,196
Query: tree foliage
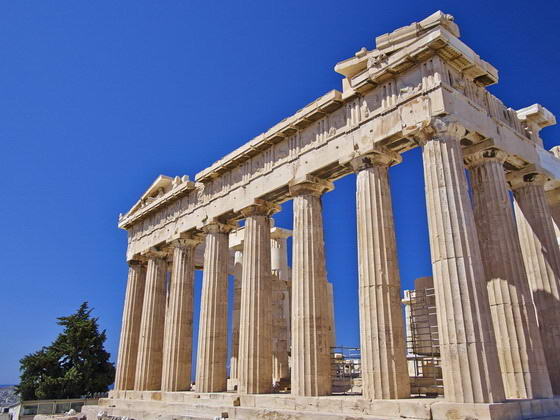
74,365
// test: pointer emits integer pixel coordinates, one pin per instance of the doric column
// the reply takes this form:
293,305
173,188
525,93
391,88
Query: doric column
150,349
255,325
330,315
178,332
470,366
280,304
310,329
382,346
553,198
237,270
130,331
279,253
211,375
542,263
518,341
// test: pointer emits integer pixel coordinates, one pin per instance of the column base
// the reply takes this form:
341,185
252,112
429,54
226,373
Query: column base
152,405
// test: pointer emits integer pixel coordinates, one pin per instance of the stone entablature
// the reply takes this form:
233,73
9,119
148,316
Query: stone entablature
416,73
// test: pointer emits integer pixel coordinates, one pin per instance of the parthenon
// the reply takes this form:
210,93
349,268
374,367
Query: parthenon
493,201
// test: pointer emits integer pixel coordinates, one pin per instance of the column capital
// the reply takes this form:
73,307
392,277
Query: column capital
260,208
138,260
309,185
186,240
438,128
481,157
155,253
280,233
379,157
524,178
218,227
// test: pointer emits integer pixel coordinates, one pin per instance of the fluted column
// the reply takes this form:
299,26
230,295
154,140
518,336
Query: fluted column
178,332
310,329
279,253
542,263
150,348
470,366
553,199
238,270
280,304
518,341
255,325
382,346
211,375
130,331
330,315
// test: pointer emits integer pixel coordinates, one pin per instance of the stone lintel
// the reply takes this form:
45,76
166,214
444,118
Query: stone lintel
287,127
485,144
279,233
309,185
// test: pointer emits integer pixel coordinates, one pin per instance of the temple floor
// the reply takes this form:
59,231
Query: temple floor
151,405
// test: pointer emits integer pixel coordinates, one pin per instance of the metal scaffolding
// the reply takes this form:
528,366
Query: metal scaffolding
346,373
423,353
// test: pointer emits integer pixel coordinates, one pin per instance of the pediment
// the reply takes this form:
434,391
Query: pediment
160,188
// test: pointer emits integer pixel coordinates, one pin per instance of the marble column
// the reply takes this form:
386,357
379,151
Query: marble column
310,374
553,199
238,271
280,304
518,341
130,331
279,253
382,346
211,374
330,313
255,325
542,263
470,366
150,348
178,331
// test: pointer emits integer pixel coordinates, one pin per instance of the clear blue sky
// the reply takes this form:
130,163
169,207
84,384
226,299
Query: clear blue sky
97,98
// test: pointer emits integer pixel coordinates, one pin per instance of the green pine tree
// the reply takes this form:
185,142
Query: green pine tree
74,365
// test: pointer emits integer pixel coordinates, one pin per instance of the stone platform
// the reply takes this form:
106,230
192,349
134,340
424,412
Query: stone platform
191,405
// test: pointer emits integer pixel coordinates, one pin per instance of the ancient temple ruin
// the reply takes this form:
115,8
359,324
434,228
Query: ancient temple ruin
496,267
